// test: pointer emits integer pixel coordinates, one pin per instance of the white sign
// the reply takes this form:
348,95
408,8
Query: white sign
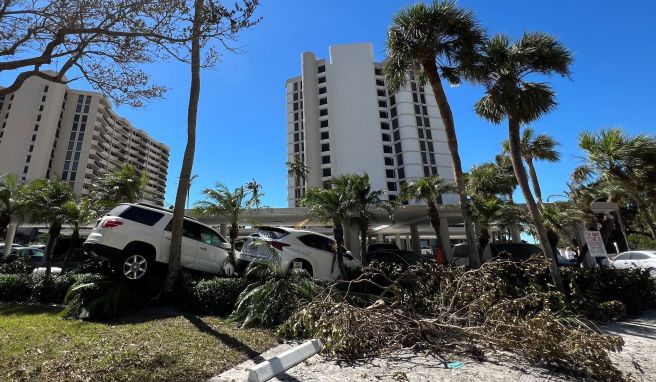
595,243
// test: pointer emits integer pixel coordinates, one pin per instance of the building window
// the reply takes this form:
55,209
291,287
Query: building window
33,138
36,127
324,123
322,90
413,86
389,161
420,132
429,135
25,169
38,117
389,173
295,106
378,71
384,125
323,112
397,147
395,123
399,159
401,173
387,149
321,69
392,100
323,101
31,149
386,138
324,135
380,83
422,145
43,99
396,136
381,93
325,147
72,178
426,122
28,159
383,114
322,80
382,104
418,119
393,112
45,89
424,109
325,159
423,99
40,107
295,116
325,172
391,186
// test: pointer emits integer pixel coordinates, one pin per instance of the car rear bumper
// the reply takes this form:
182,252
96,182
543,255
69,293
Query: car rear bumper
101,250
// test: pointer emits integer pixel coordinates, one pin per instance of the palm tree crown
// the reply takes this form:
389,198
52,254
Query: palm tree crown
124,185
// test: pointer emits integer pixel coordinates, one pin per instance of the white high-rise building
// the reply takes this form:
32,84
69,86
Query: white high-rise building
342,119
48,130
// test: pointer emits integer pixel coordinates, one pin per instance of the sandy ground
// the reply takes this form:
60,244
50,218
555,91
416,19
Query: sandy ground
637,358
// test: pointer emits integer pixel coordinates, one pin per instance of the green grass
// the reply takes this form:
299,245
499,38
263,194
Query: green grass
161,345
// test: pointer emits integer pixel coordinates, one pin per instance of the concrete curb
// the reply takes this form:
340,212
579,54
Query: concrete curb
284,361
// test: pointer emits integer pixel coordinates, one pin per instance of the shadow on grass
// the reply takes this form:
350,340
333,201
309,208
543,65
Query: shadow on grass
227,339
25,309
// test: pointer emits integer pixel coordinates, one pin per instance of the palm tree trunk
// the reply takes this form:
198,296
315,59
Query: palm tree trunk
53,234
364,230
75,236
234,234
434,219
534,179
338,233
522,179
449,128
483,241
188,158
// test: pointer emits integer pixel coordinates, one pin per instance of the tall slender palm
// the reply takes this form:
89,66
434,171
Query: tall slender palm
428,190
439,41
503,69
504,165
124,185
361,203
299,170
221,201
560,219
535,147
10,186
330,206
44,201
191,182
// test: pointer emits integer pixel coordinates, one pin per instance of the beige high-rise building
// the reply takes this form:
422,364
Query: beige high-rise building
48,130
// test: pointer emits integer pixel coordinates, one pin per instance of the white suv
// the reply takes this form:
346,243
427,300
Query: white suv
137,236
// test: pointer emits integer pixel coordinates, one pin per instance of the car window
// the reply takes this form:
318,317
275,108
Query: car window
318,242
191,230
210,237
622,256
638,256
272,233
142,215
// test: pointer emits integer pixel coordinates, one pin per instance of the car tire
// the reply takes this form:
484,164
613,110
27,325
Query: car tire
304,265
134,267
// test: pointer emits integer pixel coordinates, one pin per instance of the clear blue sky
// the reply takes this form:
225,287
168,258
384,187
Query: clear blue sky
241,122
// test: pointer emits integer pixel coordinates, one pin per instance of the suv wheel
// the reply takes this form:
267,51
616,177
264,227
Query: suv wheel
133,267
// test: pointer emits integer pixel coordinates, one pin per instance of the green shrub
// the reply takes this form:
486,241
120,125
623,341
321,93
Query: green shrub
15,287
22,288
16,264
216,296
638,242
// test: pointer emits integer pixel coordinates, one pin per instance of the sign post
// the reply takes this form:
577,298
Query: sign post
595,243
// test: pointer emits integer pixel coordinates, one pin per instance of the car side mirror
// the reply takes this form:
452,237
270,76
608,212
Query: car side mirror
225,246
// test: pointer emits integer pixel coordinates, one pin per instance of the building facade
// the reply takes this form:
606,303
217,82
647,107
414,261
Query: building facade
48,130
342,119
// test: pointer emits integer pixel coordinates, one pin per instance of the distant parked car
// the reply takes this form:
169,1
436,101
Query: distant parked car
14,247
296,248
635,259
137,237
515,251
36,255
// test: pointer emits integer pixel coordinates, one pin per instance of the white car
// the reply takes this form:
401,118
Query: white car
635,259
136,237
296,248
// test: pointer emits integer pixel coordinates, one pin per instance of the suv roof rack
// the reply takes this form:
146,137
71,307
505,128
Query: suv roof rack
162,209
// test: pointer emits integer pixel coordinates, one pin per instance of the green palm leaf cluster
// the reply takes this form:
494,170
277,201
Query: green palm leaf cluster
124,185
429,190
230,204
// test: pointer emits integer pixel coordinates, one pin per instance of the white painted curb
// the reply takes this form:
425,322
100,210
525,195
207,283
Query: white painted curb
283,362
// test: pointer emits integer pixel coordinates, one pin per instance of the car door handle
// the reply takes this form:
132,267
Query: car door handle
203,248
167,238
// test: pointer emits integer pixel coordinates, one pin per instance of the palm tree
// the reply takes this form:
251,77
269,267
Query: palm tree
9,189
540,147
44,201
429,190
490,212
221,201
503,69
361,201
124,185
504,165
256,192
330,206
488,180
560,219
191,181
76,213
299,170
439,41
